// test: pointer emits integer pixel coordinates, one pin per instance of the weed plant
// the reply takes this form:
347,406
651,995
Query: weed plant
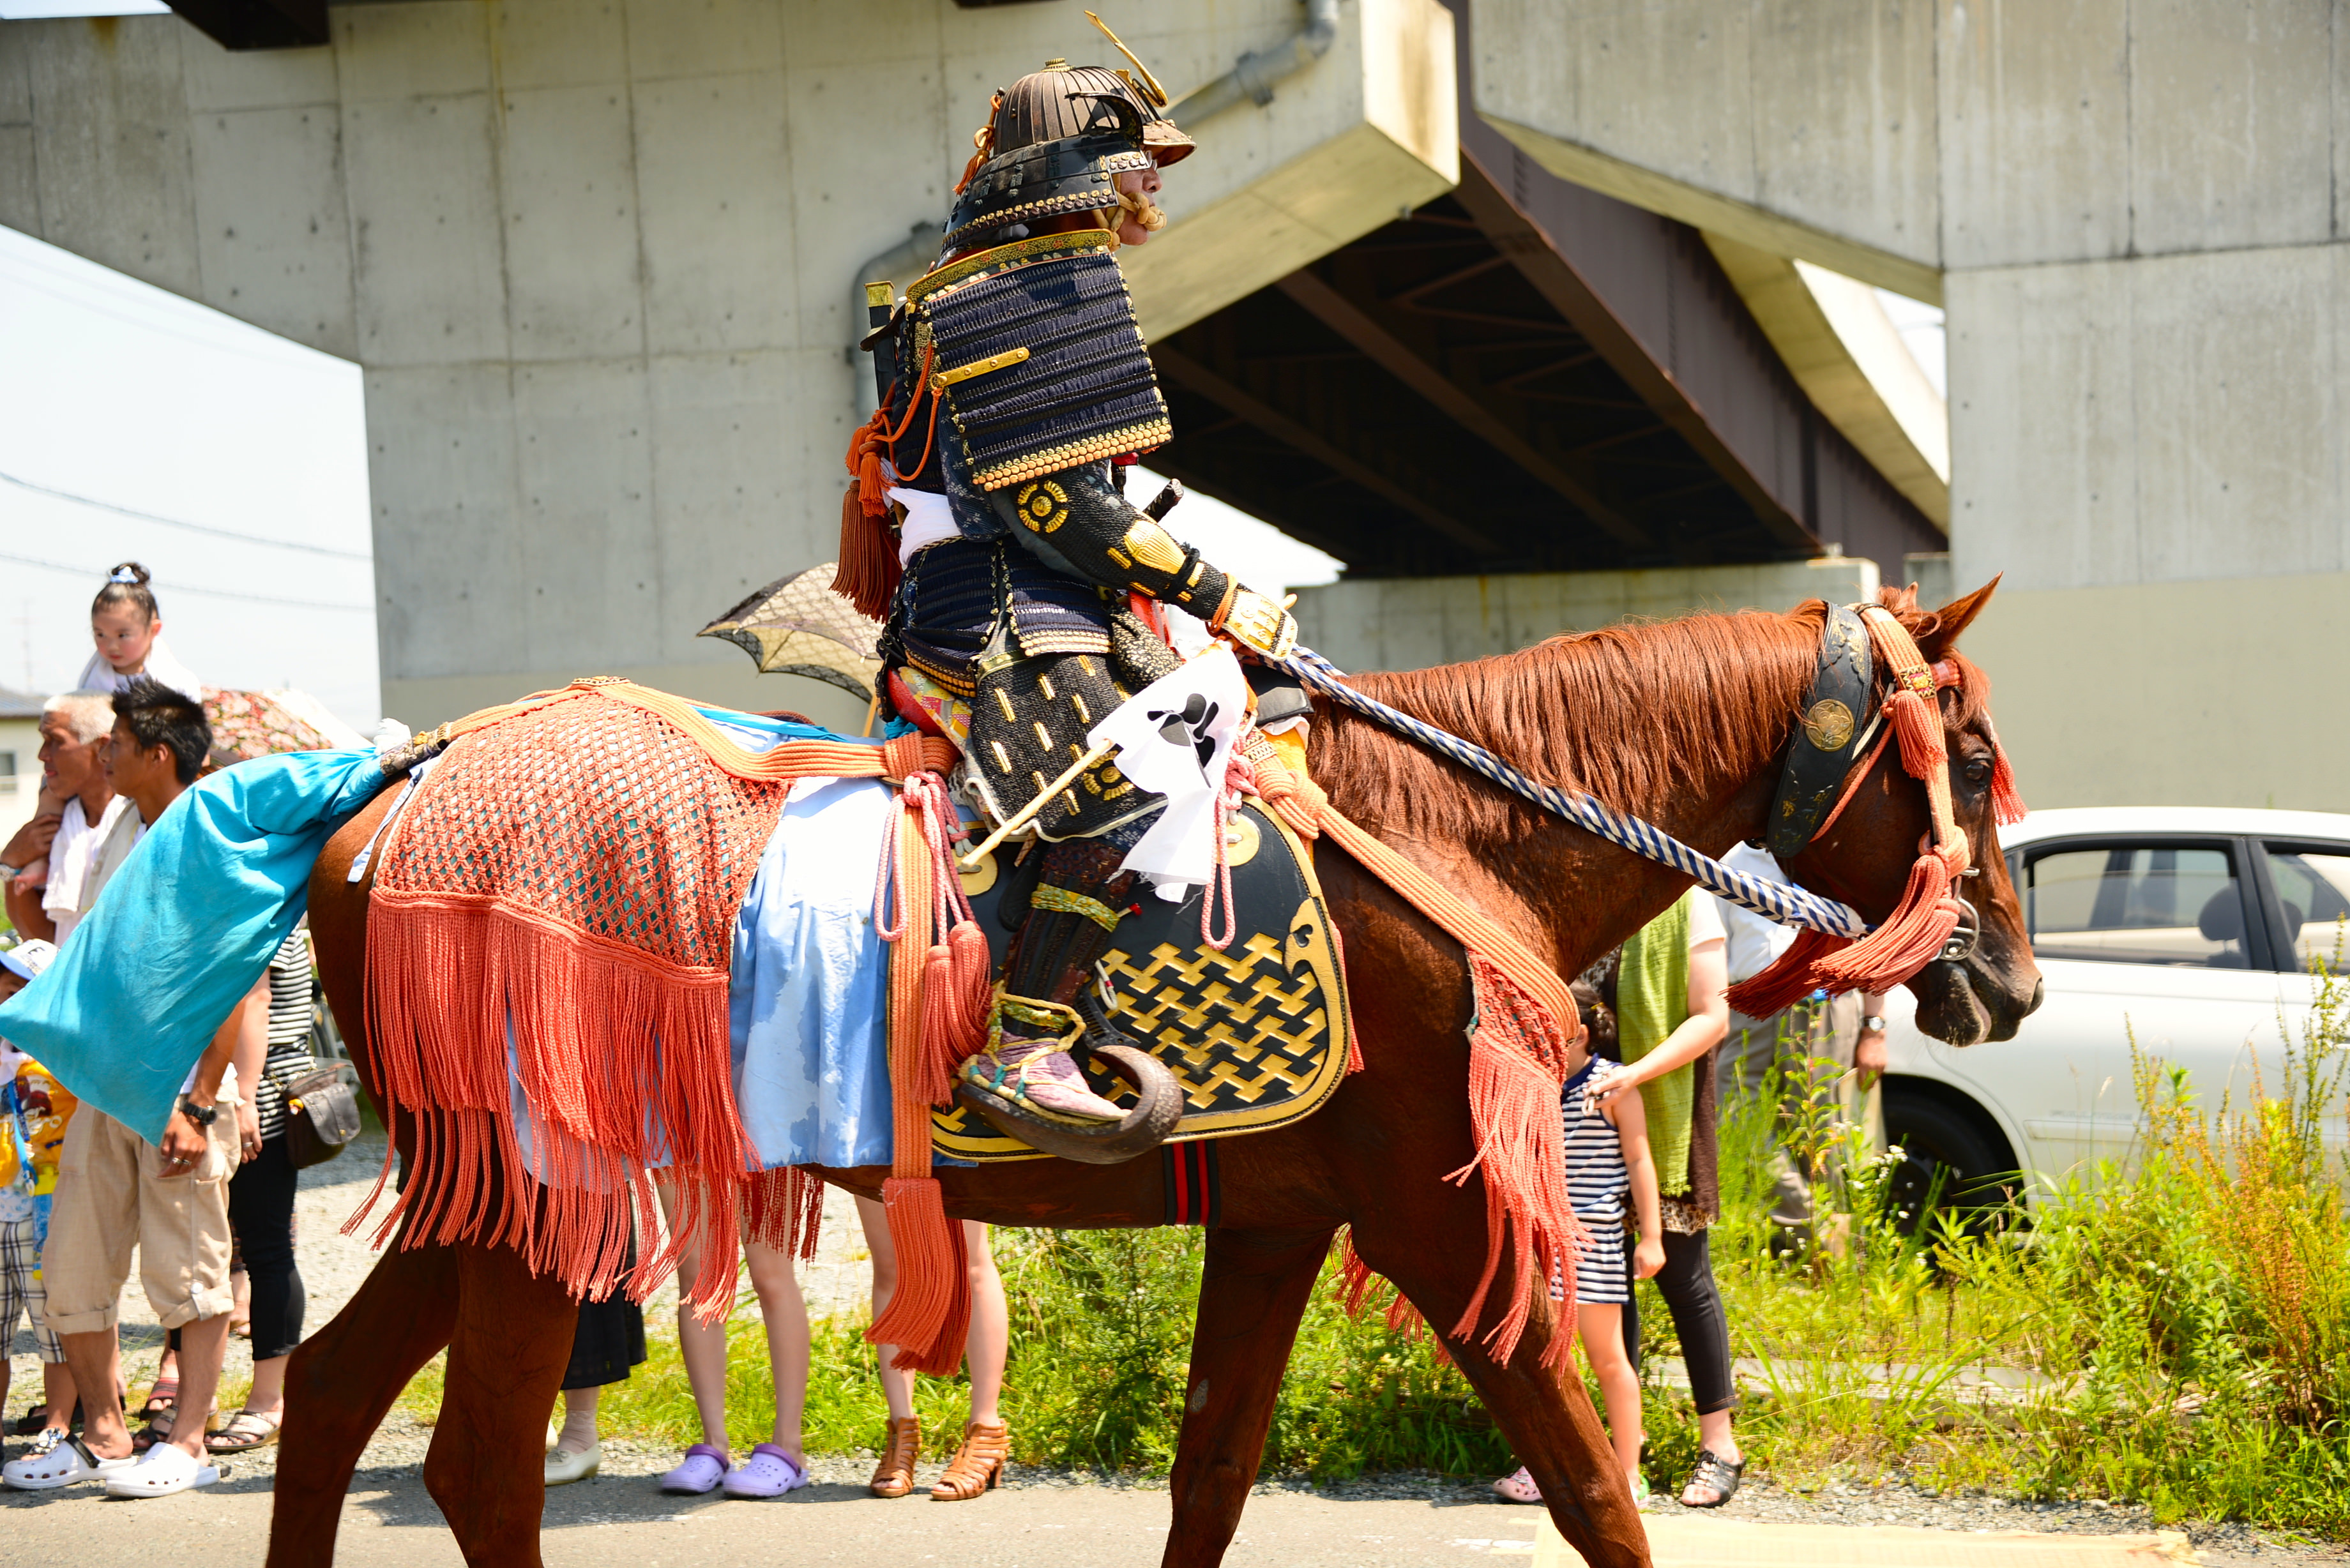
2172,1329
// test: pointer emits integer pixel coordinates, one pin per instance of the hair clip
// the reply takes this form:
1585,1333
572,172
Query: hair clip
124,576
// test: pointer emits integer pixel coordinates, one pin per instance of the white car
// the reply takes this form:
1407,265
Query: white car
2190,929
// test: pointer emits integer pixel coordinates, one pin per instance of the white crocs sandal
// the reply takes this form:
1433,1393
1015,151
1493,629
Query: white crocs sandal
60,1460
160,1471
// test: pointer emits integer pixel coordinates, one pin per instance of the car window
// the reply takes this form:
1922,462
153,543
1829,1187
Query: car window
2314,886
2123,903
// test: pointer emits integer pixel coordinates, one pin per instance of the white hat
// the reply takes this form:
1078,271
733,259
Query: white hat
27,959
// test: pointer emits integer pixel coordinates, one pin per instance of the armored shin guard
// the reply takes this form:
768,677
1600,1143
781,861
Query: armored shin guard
1078,900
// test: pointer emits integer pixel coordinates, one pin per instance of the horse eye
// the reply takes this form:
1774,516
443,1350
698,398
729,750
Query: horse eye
1978,771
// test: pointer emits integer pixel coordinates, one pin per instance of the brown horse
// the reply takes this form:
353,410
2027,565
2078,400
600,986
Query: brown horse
1683,724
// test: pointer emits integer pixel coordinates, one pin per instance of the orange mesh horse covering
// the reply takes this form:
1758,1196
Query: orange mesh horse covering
559,900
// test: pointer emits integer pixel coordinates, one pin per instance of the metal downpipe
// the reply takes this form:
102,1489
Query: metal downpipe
1251,79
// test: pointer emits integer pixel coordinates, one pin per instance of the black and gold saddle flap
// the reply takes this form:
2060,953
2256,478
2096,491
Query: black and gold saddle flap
1257,1034
1039,357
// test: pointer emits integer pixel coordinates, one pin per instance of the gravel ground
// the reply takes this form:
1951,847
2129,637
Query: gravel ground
333,1265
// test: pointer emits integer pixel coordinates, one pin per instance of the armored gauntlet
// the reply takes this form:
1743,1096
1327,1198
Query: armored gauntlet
1075,520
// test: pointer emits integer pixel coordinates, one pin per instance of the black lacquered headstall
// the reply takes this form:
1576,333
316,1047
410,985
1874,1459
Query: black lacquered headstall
1839,719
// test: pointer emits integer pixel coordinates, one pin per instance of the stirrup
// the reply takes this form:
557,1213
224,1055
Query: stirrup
994,1093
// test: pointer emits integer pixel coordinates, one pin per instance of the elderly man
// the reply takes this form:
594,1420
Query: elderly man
74,729
116,1191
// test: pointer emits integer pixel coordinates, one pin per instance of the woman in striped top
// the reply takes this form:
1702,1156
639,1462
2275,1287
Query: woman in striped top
1607,1161
261,1205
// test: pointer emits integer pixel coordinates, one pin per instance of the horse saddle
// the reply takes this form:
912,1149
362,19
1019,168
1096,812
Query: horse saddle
1258,1034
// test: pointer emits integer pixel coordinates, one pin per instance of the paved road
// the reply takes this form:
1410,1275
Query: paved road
390,1520
626,1521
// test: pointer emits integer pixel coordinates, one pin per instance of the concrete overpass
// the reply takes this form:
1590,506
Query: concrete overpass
597,262
2135,214
597,259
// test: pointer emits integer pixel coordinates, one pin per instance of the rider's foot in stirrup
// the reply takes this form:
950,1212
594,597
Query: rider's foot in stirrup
1037,1072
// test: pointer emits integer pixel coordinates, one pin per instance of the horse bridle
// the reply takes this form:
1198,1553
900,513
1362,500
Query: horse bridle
1836,732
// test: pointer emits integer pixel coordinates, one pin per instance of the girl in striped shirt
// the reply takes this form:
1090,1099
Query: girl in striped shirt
1608,1161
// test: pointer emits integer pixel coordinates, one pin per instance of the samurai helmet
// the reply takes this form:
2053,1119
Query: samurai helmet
1056,142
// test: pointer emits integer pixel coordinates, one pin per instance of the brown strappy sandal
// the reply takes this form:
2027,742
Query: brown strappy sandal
894,1476
977,1465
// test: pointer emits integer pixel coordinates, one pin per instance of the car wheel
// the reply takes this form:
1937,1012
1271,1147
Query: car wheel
1952,1162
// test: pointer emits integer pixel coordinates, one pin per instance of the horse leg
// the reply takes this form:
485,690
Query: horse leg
1547,1416
338,1385
1251,1293
486,1467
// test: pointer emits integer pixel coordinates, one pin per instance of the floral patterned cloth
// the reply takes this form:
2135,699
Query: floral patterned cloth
248,724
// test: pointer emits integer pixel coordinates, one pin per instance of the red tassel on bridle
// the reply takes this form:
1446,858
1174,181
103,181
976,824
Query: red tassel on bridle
1927,913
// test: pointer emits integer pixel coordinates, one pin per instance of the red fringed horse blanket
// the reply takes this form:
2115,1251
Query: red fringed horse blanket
554,912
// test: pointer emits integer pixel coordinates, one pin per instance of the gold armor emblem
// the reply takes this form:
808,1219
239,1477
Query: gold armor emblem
1828,724
1044,506
1243,839
1152,546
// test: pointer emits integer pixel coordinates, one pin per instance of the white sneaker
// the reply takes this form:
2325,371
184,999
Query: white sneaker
160,1471
59,1460
564,1467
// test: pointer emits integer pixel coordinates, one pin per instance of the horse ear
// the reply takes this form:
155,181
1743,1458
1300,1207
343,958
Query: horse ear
1953,618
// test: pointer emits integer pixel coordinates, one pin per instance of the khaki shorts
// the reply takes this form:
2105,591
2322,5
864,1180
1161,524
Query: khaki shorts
111,1197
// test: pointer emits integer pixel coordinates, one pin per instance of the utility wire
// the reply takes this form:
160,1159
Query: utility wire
186,587
147,324
191,527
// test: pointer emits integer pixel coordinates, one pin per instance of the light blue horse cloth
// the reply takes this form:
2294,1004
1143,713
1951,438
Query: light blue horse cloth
183,930
810,998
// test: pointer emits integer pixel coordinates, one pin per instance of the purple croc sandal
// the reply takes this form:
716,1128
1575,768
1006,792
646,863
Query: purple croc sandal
703,1469
768,1472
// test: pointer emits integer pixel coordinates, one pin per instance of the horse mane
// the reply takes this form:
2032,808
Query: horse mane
1627,714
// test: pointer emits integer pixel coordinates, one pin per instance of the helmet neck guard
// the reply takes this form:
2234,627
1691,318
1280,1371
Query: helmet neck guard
1054,145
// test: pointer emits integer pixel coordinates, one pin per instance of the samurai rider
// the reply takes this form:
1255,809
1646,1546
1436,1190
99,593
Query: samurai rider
1025,593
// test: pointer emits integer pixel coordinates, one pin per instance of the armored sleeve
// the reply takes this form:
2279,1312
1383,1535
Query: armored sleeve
1076,521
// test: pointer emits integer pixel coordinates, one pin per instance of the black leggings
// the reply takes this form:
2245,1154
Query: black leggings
1694,1302
261,1213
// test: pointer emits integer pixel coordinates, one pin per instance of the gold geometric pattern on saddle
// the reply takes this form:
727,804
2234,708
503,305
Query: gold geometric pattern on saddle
1256,1035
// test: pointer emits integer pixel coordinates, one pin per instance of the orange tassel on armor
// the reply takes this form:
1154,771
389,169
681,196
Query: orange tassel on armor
869,570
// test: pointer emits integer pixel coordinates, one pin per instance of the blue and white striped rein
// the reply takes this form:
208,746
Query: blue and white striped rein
1789,906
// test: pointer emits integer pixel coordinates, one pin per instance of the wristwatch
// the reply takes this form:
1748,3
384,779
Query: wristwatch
202,1115
10,873
1873,1024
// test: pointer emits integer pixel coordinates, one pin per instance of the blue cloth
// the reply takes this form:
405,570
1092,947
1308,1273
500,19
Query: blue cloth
810,994
183,930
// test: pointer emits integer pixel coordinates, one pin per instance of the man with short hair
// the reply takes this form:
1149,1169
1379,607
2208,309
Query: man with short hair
74,729
115,1190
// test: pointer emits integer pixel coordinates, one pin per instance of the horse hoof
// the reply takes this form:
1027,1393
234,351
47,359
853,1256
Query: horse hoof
1158,1107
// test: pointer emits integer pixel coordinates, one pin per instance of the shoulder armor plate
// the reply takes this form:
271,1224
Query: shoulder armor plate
1083,390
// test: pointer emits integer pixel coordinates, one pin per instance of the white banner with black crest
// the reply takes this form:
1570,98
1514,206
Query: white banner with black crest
1174,737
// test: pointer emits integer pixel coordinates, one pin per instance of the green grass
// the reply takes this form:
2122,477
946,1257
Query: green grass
2190,1318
